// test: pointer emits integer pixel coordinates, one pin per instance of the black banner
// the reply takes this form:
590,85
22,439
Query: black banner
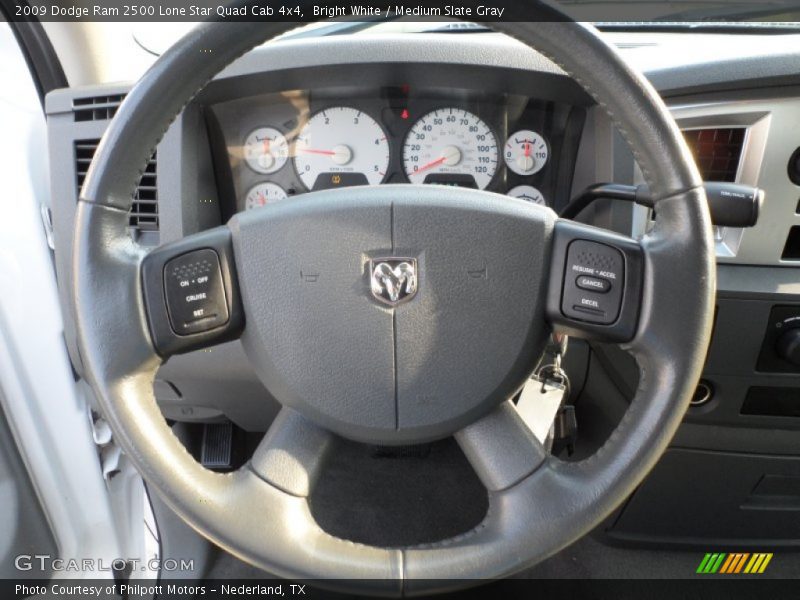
758,13
700,587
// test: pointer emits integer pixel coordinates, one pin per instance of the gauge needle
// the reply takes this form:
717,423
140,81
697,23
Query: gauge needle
266,146
431,164
341,154
314,151
450,156
525,161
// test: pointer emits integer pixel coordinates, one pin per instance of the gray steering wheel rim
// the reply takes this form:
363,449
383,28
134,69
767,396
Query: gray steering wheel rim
268,523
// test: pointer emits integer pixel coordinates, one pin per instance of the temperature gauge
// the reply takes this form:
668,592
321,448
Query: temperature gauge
526,152
266,150
529,193
263,193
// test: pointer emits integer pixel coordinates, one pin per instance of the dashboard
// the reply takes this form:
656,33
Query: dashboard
482,111
272,147
476,111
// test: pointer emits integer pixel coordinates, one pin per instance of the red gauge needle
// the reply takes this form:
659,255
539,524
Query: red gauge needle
431,164
312,151
527,149
266,146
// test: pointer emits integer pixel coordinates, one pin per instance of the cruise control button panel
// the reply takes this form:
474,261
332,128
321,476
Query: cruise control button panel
195,292
593,282
596,282
191,293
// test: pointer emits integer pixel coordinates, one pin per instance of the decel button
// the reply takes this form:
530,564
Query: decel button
195,292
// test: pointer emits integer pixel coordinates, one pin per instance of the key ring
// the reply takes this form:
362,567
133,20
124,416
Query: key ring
553,372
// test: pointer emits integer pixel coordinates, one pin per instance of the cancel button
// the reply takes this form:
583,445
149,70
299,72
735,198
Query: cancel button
594,284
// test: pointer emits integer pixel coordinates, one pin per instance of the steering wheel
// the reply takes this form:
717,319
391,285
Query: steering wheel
394,314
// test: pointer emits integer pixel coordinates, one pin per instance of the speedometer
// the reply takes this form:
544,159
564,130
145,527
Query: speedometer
453,147
341,146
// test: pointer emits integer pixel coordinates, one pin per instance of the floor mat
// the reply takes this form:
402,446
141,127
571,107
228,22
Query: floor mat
390,497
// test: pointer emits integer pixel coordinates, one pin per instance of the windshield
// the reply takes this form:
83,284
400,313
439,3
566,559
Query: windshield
685,16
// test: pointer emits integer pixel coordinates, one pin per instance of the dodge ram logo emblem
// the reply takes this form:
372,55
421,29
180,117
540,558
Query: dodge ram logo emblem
393,280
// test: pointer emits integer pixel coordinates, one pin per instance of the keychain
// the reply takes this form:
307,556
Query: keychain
543,396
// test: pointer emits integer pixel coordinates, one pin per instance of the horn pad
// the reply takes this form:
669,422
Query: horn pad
394,314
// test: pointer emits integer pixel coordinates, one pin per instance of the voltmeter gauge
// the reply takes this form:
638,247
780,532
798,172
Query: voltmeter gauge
526,152
266,150
263,193
529,193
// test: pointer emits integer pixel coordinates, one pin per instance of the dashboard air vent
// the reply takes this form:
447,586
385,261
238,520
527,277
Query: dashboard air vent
96,108
84,152
717,151
144,212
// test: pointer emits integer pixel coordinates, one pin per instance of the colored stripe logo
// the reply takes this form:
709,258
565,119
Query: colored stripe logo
734,563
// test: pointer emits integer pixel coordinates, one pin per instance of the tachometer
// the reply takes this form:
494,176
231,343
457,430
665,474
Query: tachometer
451,146
341,146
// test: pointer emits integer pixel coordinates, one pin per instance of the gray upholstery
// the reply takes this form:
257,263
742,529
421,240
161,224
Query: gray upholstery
531,515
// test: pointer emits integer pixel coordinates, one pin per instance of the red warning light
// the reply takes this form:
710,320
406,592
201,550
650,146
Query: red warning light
404,114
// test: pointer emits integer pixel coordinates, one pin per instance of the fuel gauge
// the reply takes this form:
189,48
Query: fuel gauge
263,193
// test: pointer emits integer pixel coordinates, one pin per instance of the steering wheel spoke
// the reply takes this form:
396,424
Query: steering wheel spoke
292,453
501,448
191,293
596,279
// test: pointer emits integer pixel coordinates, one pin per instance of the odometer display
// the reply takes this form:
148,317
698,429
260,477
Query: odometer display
451,145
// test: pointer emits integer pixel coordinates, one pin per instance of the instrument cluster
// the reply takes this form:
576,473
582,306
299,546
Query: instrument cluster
281,145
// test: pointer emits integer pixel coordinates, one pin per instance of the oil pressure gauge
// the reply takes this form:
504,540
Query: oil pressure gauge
266,150
526,152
